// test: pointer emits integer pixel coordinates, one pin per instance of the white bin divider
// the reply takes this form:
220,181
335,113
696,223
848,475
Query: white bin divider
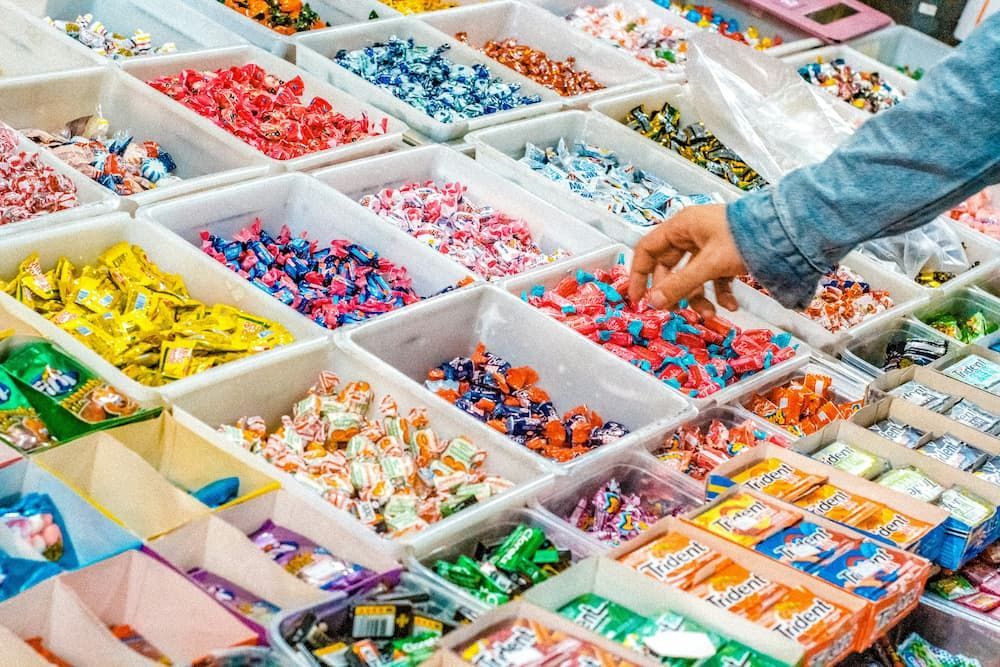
551,228
406,346
902,46
605,259
32,48
534,27
905,294
83,241
305,205
146,70
206,157
315,53
165,21
501,148
92,199
270,390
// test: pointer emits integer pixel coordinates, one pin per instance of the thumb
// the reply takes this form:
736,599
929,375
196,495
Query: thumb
681,284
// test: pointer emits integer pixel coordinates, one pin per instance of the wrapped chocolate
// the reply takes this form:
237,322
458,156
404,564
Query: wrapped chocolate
307,560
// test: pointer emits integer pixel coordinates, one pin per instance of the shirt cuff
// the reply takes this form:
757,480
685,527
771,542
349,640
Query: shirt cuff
768,251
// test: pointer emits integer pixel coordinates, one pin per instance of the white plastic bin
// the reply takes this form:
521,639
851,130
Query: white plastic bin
551,228
31,48
270,390
605,259
315,54
305,206
902,46
146,70
866,352
501,148
540,30
206,157
92,199
904,292
407,345
165,21
83,241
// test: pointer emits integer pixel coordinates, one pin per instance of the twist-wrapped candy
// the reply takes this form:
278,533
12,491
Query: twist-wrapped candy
286,17
649,40
696,452
28,187
706,18
95,35
419,6
864,90
614,514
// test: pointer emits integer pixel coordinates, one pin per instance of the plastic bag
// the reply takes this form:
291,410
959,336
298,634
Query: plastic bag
933,247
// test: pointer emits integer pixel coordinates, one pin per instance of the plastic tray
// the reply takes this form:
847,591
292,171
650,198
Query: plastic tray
961,304
551,228
900,45
83,241
308,206
314,53
538,29
407,345
866,353
271,389
145,70
491,531
205,157
92,198
31,48
605,259
501,148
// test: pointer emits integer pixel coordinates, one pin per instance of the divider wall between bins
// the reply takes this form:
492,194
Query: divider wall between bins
33,49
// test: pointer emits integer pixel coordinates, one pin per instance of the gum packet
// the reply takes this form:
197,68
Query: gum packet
779,479
675,559
740,591
912,482
744,519
837,504
855,461
803,546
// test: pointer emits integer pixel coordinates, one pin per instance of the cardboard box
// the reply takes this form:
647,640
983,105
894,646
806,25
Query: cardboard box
932,423
942,364
935,380
629,588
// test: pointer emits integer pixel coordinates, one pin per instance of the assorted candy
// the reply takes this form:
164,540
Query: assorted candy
117,162
695,143
706,18
976,371
478,236
504,646
29,187
979,213
688,352
419,6
286,17
906,351
864,90
976,586
425,79
337,284
509,400
598,174
651,41
967,328
139,318
803,405
265,112
93,34
696,452
616,512
394,473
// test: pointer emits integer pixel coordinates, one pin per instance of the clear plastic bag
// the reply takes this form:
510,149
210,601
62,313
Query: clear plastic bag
933,247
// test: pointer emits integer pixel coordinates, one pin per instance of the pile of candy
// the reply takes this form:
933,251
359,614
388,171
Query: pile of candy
342,283
696,143
979,213
95,35
935,279
976,371
864,90
693,354
696,452
117,162
499,572
705,17
907,351
598,174
481,238
614,514
266,112
419,6
425,79
395,474
842,300
539,645
510,401
967,327
28,187
976,585
803,405
561,76
139,318
651,41
283,16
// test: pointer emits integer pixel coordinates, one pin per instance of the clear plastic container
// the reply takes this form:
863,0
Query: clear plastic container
501,148
902,46
961,304
867,352
315,53
309,207
448,547
955,628
31,48
551,228
408,344
146,70
206,157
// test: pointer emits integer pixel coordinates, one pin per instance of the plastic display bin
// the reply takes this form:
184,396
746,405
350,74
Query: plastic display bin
961,304
206,157
551,228
501,148
955,628
146,70
407,345
534,27
900,46
315,53
31,48
867,351
306,206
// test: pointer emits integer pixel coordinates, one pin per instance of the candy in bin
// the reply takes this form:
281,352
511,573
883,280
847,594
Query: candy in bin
21,427
418,6
708,18
802,405
614,514
96,36
696,453
307,560
28,186
285,17
864,90
631,29
913,352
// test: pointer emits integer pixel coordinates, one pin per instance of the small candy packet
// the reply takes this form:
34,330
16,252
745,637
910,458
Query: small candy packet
604,617
778,478
968,413
903,434
922,395
844,457
890,525
837,504
32,528
976,371
952,587
740,591
234,597
912,482
21,426
990,470
984,603
954,452
744,519
966,507
675,559
803,546
803,617
308,561
863,568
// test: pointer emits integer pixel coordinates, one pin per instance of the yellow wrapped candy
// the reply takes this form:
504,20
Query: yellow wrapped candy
417,6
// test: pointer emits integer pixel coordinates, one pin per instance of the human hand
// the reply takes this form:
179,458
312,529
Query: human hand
702,231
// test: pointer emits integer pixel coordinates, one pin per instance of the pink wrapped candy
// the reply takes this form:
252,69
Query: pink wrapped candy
28,187
979,213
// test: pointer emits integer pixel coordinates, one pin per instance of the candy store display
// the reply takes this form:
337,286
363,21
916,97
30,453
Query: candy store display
28,186
859,88
630,28
97,37
285,17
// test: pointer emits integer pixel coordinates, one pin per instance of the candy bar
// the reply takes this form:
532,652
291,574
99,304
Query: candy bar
305,559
